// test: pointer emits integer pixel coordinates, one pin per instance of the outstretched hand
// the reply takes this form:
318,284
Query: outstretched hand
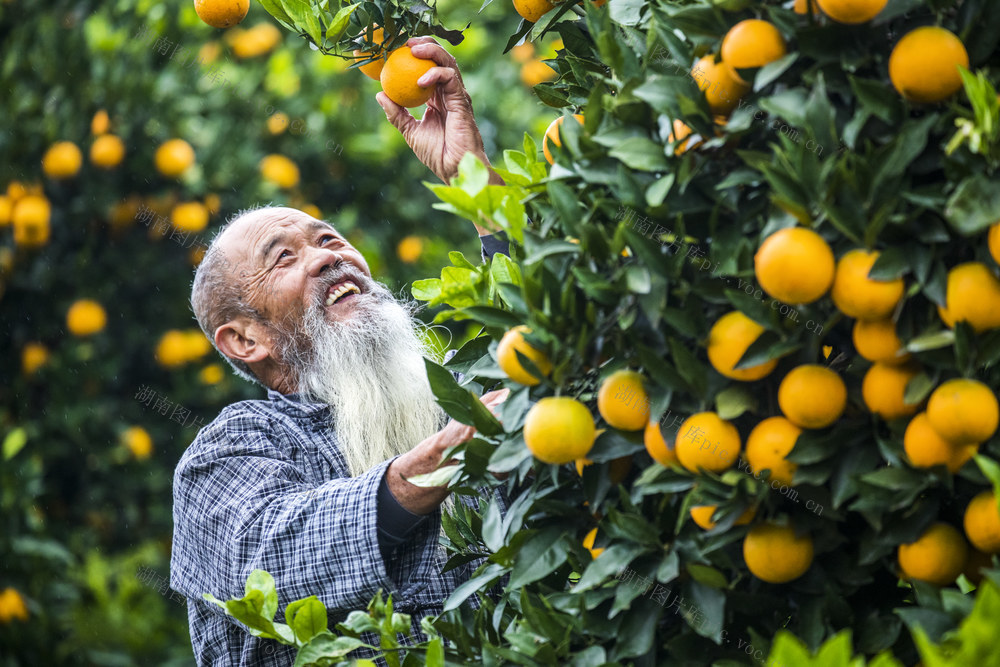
448,129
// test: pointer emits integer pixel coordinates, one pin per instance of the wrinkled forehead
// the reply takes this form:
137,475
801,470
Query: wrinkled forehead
250,234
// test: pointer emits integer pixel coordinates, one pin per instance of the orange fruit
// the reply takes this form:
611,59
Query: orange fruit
559,429
278,122
622,401
6,210
963,411
588,543
211,374
752,43
657,447
62,160
107,151
513,342
85,317
723,88
30,218
768,444
172,349
681,133
536,72
552,134
399,78
705,440
852,11
926,449
372,70
773,553
795,265
100,123
802,7
221,13
189,216
924,64
982,523
409,250
812,396
857,295
33,357
532,10
728,340
702,515
993,241
12,606
884,387
972,294
137,440
173,157
937,556
279,170
876,340
523,53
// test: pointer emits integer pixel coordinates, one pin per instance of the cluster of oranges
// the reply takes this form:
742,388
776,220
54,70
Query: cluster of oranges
28,211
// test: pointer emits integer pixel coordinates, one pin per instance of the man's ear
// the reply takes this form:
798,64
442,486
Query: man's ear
243,339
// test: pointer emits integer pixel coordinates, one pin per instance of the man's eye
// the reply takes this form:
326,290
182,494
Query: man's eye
282,255
326,237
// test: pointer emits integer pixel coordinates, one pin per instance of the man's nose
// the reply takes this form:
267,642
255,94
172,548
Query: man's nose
323,259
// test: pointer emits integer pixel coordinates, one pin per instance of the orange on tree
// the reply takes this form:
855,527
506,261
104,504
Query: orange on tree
16,190
222,13
705,440
812,396
107,151
937,556
552,134
523,53
12,606
373,70
852,11
257,41
857,295
795,265
982,522
681,133
993,241
723,88
768,445
399,78
277,122
189,216
279,170
884,389
213,203
100,123
702,516
559,429
588,543
802,7
532,10
6,209
33,356
657,447
172,349
876,340
211,374
138,441
775,554
174,157
925,448
409,249
923,66
728,340
513,342
963,411
85,317
972,294
536,72
752,43
62,160
196,345
30,219
622,401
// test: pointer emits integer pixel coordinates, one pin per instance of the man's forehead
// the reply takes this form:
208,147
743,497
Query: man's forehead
254,231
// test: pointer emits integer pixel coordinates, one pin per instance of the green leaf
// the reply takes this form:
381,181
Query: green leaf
460,403
459,260
14,442
262,581
731,402
324,647
640,153
974,206
340,21
436,478
306,617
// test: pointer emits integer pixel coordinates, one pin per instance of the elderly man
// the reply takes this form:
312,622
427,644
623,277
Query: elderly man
310,484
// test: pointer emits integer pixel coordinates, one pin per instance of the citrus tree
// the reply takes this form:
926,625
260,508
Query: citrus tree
750,328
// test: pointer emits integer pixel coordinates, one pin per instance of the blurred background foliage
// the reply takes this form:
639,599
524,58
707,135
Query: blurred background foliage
105,377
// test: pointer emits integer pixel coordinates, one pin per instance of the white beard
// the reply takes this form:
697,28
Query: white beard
369,369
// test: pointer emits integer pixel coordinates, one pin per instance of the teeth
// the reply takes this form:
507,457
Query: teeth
346,288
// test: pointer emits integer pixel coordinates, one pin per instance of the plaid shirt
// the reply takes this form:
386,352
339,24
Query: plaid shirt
264,486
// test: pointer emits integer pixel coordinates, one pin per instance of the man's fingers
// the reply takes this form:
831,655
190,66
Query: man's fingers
427,47
400,117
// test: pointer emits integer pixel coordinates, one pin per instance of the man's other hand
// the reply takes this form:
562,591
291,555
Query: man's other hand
448,129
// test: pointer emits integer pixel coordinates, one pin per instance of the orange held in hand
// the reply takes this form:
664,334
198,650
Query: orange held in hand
552,134
221,13
399,78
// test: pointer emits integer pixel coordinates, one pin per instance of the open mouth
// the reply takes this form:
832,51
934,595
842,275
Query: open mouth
342,291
